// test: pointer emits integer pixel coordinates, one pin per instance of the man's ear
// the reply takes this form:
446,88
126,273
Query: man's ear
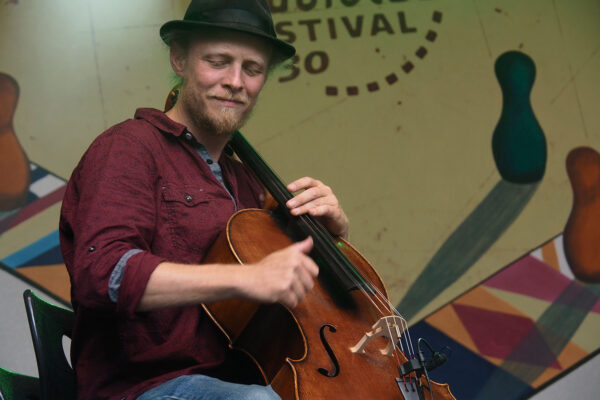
178,60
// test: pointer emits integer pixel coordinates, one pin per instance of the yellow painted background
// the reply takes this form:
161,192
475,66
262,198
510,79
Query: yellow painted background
409,162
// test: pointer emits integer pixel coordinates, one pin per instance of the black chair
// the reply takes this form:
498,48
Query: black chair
48,324
15,386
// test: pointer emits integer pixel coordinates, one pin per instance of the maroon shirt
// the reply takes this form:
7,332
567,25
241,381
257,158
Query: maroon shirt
142,186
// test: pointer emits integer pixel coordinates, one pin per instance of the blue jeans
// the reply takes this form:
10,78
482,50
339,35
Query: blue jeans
201,387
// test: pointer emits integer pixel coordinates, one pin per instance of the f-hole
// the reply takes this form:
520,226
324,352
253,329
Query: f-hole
336,365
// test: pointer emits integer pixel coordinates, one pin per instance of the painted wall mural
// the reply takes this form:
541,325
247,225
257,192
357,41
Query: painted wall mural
519,329
13,161
41,261
582,233
519,150
461,137
518,142
26,189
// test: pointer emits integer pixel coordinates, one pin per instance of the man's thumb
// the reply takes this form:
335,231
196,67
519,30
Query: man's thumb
305,245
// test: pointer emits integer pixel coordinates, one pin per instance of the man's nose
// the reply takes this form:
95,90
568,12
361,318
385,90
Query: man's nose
234,78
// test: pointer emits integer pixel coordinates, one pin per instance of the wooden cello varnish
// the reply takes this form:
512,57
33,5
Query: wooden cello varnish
288,348
305,353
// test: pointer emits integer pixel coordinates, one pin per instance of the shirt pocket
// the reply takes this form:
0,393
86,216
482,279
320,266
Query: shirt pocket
188,215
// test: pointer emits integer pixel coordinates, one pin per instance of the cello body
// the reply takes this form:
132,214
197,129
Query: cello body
305,353
310,352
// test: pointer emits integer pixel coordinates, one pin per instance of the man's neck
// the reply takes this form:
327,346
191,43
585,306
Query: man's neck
213,143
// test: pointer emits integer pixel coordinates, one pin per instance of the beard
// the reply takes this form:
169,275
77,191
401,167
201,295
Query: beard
215,120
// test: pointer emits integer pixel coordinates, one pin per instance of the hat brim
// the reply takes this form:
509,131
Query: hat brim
284,49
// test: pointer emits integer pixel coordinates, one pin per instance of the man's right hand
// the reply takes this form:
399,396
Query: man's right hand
284,276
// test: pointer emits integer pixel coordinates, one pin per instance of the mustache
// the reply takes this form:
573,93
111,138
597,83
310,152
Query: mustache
240,98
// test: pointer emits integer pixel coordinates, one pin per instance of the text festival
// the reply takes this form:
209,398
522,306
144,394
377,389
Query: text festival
312,29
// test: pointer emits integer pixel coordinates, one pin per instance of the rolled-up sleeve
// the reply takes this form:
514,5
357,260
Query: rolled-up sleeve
107,222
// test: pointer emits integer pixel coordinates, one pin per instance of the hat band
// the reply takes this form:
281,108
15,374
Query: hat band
231,16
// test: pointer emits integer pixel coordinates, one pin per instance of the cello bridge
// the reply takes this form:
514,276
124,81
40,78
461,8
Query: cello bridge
391,327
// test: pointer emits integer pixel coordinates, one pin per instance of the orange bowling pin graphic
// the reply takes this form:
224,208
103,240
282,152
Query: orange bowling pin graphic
14,167
581,237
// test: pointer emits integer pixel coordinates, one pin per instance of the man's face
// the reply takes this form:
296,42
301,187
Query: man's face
223,75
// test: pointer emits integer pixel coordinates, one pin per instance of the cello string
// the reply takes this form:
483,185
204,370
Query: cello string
381,299
274,184
383,302
406,336
379,296
394,347
352,274
268,177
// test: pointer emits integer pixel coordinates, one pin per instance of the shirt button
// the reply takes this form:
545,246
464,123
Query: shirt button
188,136
92,248
209,161
188,198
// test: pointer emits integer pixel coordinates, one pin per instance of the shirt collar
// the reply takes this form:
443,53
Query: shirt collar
160,120
165,124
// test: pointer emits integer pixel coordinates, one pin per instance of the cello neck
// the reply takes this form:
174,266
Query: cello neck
326,253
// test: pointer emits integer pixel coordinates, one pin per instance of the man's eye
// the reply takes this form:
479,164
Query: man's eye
217,63
254,71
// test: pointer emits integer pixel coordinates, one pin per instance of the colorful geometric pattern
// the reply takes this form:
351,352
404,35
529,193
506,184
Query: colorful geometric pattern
45,251
509,336
45,190
40,262
468,243
518,330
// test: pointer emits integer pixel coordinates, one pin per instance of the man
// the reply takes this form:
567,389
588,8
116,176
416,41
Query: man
148,199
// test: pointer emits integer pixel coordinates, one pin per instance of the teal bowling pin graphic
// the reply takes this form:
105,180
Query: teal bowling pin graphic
518,142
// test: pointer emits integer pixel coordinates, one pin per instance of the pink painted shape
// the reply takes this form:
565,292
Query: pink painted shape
506,336
531,277
596,307
494,333
38,206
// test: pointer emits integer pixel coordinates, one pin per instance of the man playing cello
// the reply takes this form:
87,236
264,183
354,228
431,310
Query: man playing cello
148,199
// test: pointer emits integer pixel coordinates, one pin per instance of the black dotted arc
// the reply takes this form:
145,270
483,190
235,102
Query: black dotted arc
392,78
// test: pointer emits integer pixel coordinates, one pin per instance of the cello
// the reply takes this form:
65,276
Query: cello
344,339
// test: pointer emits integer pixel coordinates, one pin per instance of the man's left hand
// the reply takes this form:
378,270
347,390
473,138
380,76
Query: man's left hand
318,200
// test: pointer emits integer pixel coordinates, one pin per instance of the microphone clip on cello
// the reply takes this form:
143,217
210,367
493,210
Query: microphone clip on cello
410,384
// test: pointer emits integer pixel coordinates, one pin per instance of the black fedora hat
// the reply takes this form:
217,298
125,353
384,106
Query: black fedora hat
249,16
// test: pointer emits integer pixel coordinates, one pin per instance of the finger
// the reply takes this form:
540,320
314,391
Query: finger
311,267
306,277
290,301
298,291
302,183
323,206
323,210
328,211
313,192
307,264
304,246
